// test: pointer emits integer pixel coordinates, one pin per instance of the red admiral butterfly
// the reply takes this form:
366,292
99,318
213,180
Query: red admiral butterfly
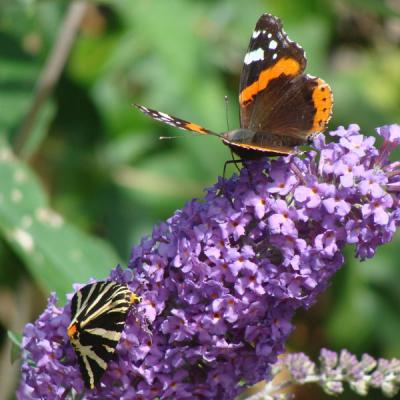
280,106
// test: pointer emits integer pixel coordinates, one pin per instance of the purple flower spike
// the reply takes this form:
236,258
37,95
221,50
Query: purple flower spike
336,370
223,277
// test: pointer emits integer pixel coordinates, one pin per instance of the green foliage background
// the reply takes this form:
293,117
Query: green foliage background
92,177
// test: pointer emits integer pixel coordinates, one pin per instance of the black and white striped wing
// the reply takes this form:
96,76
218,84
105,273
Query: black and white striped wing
98,314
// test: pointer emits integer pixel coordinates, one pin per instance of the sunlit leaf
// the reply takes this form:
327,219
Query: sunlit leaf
56,253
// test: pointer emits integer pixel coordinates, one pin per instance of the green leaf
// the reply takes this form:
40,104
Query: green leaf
38,130
16,339
17,78
56,253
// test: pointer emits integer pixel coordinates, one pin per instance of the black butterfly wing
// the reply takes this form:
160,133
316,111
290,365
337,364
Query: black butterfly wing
271,55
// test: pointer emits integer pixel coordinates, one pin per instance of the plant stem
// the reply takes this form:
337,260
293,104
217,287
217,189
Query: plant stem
51,70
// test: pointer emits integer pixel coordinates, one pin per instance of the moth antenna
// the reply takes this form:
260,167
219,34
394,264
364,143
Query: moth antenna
226,111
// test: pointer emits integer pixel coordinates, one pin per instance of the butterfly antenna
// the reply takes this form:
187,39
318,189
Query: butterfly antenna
178,137
226,111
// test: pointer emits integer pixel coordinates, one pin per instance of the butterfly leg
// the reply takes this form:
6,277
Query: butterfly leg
233,161
225,165
223,190
236,161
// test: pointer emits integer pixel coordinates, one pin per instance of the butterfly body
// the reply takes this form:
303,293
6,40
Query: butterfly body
246,143
281,107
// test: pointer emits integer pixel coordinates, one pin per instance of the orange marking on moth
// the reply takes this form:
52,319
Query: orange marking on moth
195,127
285,66
72,330
323,103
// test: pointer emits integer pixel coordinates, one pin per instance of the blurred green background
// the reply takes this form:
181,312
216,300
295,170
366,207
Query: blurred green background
83,175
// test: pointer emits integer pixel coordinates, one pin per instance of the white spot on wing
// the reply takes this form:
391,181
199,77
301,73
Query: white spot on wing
274,56
256,34
165,115
287,37
273,44
269,35
255,55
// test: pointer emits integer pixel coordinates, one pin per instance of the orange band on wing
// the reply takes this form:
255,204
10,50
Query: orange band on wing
264,149
285,66
195,128
323,102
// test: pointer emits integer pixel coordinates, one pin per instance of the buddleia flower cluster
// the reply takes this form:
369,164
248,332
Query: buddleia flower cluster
222,278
